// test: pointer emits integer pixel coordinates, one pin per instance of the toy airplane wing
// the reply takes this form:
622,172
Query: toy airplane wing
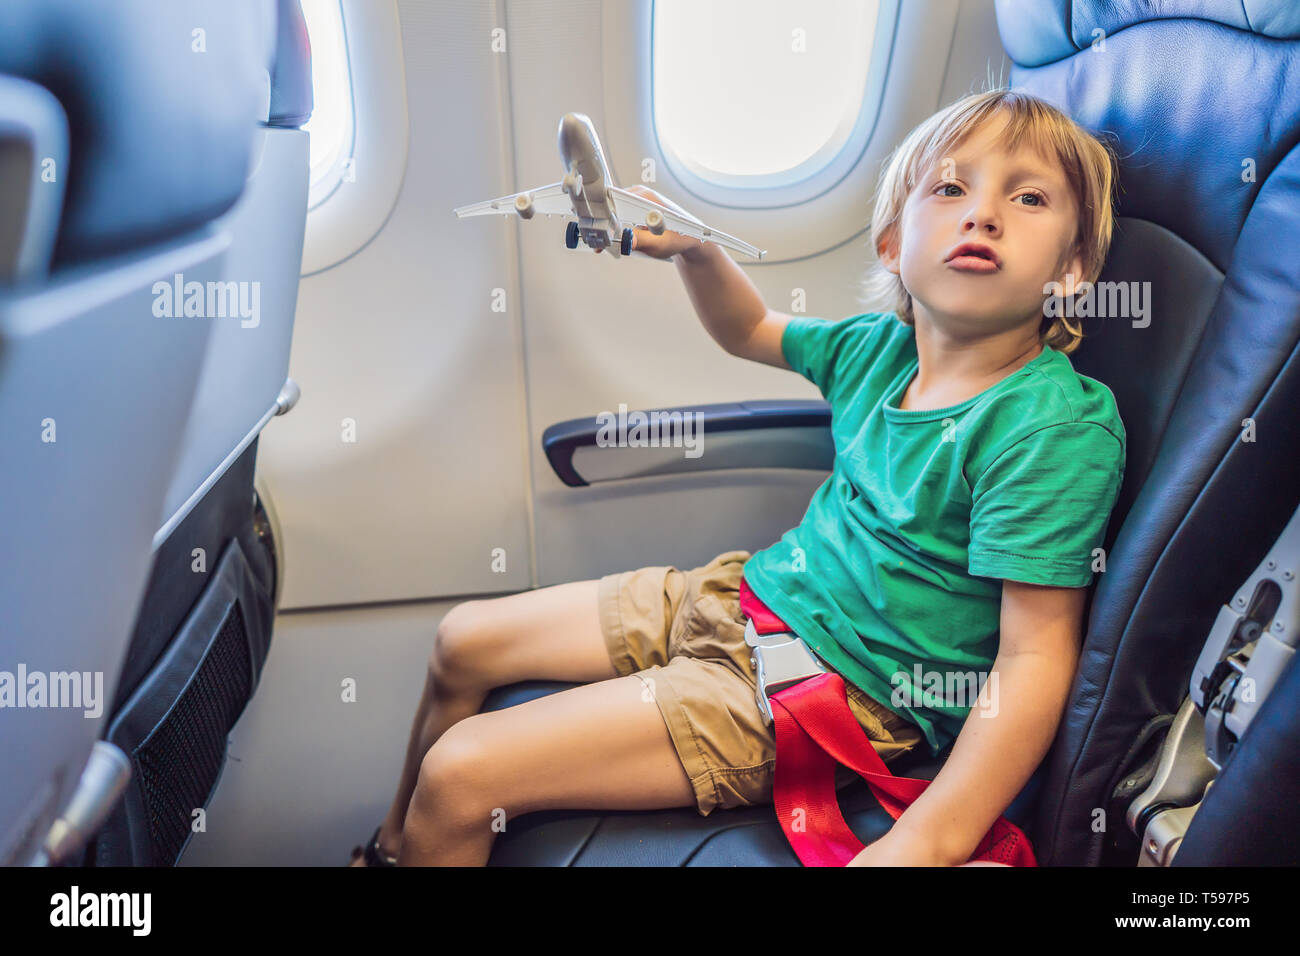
551,200
632,209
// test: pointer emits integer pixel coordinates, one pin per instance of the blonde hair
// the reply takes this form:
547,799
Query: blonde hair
1088,163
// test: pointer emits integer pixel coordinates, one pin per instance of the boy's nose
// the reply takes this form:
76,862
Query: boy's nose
982,215
982,219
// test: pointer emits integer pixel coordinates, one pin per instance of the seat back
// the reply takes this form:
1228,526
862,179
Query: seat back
247,362
203,629
1206,380
160,104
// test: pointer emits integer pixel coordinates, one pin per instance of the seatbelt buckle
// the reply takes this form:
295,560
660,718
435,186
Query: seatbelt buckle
779,660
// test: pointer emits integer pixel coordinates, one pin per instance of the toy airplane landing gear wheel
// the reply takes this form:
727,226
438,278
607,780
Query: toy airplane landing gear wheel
571,235
625,247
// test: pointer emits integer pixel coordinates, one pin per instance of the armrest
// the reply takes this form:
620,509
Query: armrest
639,444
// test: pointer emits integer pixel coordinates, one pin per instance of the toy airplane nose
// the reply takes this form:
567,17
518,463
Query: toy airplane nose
574,129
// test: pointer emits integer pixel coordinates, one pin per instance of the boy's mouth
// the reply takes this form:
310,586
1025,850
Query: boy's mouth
974,257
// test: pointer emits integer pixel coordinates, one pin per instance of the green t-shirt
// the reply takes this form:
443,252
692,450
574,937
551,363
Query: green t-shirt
894,576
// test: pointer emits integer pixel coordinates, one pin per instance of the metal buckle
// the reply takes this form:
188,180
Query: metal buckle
779,660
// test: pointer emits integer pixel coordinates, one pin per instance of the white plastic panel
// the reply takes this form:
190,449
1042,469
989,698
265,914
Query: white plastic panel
401,339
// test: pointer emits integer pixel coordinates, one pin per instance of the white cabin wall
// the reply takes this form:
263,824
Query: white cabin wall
401,337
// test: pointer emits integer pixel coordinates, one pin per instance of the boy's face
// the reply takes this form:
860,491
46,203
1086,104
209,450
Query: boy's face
1017,205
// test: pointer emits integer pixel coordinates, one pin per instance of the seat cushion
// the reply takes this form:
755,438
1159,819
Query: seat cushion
744,836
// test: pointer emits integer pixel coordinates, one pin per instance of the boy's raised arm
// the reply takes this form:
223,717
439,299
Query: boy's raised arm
730,307
724,298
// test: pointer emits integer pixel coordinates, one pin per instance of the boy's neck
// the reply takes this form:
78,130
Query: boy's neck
950,370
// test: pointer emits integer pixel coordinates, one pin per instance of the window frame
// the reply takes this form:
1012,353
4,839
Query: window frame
813,176
355,210
325,180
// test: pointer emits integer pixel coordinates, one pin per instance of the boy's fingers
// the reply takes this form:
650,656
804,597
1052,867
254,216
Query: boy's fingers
648,243
660,247
642,241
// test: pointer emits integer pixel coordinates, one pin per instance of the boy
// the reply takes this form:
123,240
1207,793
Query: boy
955,538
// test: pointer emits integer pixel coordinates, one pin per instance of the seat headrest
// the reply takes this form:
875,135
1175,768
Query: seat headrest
291,92
1035,32
1192,169
162,100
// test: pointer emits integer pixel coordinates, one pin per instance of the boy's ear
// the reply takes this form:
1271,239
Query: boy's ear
1073,274
887,250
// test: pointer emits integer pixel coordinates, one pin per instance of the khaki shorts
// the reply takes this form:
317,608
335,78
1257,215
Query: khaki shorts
683,635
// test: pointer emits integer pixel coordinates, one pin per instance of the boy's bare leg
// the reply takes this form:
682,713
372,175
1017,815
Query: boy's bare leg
549,634
603,746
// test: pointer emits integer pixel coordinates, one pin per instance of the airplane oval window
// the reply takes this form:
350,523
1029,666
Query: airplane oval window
759,93
331,125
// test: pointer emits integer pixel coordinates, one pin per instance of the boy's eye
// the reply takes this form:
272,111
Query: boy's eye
946,186
1037,199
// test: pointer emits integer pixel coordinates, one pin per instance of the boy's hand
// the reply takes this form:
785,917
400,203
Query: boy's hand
668,244
897,848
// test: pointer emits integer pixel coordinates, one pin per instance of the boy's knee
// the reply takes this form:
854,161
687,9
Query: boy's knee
453,775
451,663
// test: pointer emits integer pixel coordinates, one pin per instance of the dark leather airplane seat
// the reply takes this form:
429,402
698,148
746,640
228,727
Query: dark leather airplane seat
1205,101
1201,100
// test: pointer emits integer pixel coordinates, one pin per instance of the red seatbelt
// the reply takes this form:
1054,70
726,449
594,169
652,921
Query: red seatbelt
815,729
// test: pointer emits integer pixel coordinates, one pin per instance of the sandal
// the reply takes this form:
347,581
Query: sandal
373,854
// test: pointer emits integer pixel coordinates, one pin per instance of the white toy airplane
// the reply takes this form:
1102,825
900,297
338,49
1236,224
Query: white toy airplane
597,209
